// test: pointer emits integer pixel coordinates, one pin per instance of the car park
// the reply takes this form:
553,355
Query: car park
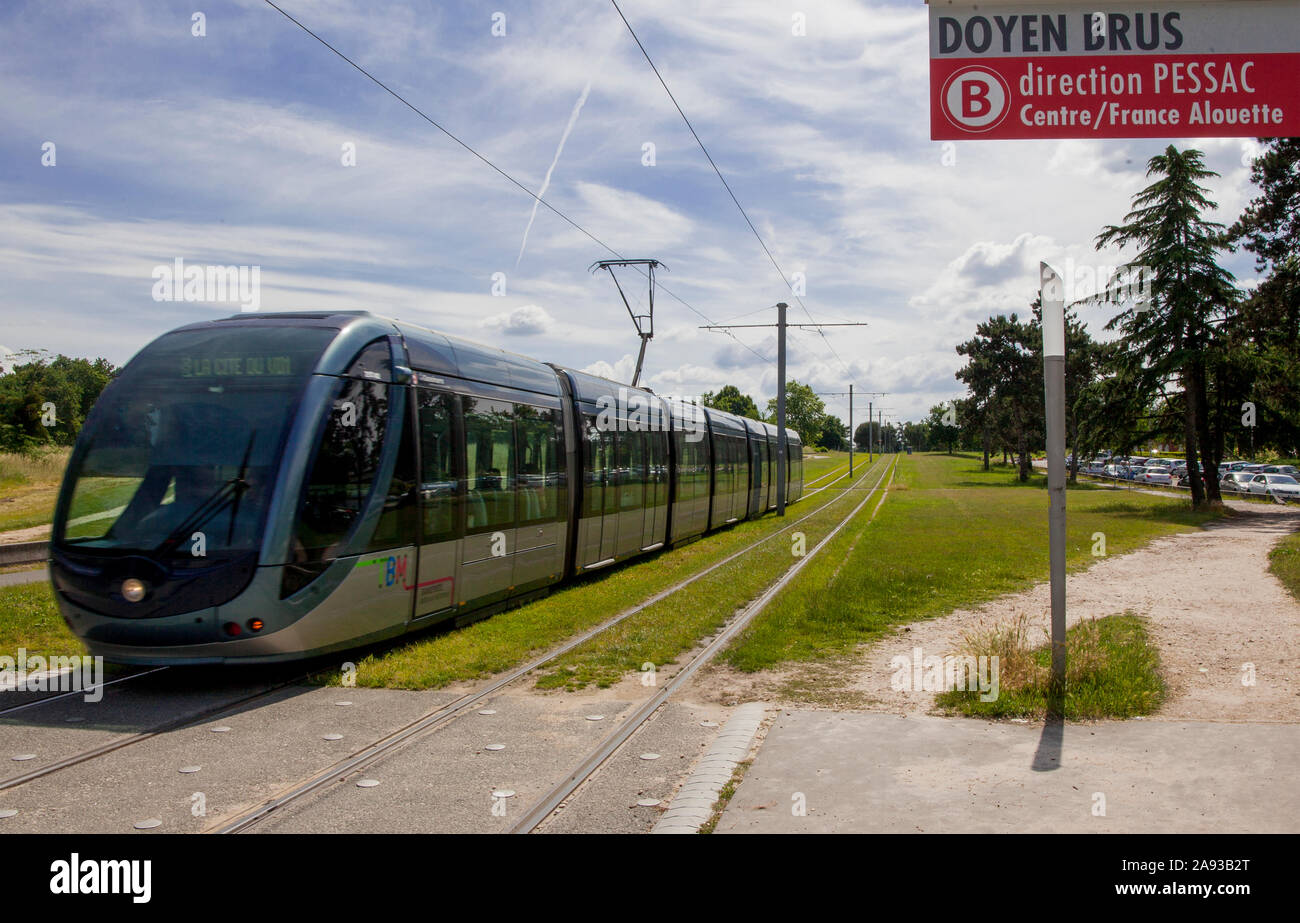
1281,469
1281,486
1155,474
1235,481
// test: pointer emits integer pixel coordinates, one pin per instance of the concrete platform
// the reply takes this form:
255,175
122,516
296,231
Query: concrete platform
873,773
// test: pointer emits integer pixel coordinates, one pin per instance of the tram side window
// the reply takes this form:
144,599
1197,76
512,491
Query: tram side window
396,525
490,465
538,436
439,486
699,473
632,462
656,468
615,468
593,468
343,471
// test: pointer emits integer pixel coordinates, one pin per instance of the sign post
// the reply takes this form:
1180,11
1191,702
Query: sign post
1101,69
1052,295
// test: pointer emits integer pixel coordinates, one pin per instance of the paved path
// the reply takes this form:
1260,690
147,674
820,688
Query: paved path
37,575
873,773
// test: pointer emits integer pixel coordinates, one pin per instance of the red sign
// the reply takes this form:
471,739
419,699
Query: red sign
1185,70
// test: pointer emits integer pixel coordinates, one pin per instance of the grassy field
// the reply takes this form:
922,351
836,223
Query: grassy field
1284,562
1112,671
950,535
29,618
655,635
29,485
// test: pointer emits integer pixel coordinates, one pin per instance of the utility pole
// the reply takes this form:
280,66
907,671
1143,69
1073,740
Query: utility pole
780,408
850,394
781,326
1052,297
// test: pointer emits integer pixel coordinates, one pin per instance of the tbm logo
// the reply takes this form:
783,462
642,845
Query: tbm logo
391,573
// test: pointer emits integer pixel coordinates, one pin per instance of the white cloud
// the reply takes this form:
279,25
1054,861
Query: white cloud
528,320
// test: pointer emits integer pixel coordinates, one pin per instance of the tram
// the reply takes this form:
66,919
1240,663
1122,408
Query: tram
269,487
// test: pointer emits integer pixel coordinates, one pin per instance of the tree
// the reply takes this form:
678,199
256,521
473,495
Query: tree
730,400
867,436
1004,375
804,411
1266,339
942,423
45,401
1170,334
834,434
917,436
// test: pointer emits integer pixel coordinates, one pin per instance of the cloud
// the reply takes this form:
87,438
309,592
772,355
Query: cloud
620,371
528,320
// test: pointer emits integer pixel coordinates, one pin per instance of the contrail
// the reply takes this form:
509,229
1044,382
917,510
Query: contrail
573,120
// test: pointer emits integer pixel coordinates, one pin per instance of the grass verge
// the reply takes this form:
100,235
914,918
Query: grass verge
29,486
657,634
1112,671
29,618
951,535
1284,562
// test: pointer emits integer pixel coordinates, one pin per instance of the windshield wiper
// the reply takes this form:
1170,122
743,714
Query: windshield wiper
230,491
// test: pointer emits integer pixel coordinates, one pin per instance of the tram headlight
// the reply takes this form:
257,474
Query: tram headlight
133,589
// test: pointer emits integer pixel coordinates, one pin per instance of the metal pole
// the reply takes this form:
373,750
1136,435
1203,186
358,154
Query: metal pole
850,430
780,408
871,445
1053,302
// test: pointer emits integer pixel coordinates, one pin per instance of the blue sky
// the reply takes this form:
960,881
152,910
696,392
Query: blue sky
227,149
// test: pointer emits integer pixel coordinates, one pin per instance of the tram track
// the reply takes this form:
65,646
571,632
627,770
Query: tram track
166,727
553,800
432,720
449,712
64,695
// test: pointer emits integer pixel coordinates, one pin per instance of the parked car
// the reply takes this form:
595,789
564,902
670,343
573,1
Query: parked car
1134,472
1282,486
1235,481
1280,469
1155,474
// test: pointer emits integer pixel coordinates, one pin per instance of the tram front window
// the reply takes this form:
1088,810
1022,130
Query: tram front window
180,457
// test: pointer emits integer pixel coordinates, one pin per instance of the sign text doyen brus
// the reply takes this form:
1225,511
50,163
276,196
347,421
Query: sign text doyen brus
1042,33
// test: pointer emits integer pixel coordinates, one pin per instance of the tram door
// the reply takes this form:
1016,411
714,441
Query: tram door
755,475
630,493
487,553
440,501
656,488
541,499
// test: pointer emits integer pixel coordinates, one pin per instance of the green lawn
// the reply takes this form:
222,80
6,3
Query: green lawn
950,535
29,618
1112,671
29,486
1284,562
657,634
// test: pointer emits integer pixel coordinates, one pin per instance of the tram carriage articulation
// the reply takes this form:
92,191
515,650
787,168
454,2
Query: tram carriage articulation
274,486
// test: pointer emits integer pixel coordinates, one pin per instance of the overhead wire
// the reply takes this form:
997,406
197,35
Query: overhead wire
387,89
784,278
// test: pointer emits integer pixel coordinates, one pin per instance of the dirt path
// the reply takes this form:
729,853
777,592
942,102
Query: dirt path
1211,604
33,534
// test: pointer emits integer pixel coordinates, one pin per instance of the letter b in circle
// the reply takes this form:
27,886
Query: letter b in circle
975,99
